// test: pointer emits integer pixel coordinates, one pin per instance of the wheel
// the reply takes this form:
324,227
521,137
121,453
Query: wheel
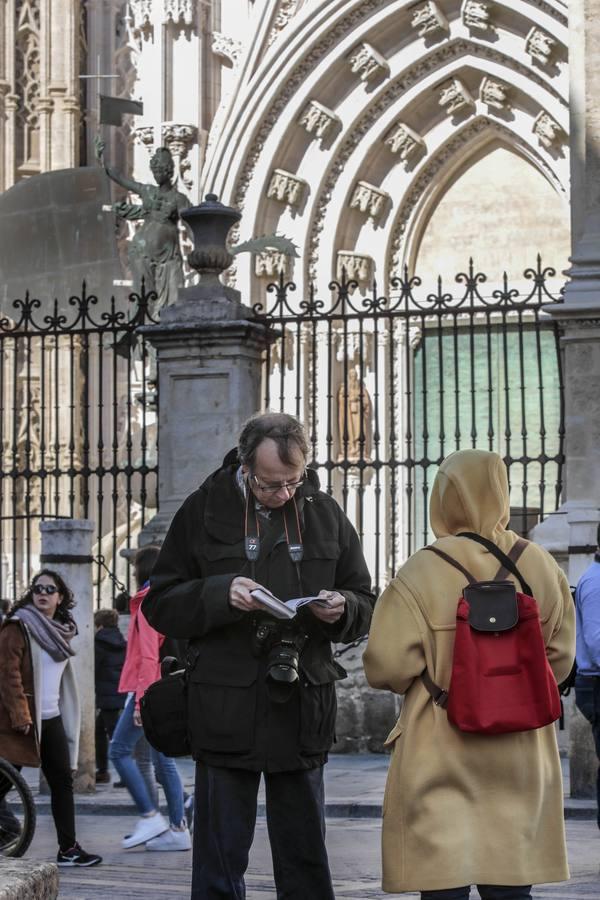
17,812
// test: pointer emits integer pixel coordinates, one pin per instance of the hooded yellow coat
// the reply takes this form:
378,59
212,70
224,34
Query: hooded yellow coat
462,809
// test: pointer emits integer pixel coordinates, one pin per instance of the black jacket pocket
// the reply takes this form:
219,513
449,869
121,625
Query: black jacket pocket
318,707
222,711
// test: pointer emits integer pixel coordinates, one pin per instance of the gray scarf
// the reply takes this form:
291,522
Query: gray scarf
54,637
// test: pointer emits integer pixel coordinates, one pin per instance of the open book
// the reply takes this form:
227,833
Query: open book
284,609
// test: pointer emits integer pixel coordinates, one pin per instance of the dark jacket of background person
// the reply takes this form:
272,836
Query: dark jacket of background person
466,808
20,689
109,649
230,719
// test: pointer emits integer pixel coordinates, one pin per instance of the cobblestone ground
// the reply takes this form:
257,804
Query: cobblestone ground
354,853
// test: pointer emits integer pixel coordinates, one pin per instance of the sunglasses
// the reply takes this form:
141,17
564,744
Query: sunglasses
45,589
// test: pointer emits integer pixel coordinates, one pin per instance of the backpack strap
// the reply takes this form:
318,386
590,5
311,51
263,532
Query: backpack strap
438,694
501,556
514,553
453,562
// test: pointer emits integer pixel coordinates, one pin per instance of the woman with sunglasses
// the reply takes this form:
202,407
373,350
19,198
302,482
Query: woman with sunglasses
39,704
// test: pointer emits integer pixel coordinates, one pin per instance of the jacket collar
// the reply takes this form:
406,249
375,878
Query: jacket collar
224,509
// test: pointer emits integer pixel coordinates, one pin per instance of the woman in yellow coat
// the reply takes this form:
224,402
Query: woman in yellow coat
463,809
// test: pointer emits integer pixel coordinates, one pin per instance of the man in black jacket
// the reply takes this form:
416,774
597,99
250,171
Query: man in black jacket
262,690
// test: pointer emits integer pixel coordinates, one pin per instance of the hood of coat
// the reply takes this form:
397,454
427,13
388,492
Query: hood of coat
470,493
111,638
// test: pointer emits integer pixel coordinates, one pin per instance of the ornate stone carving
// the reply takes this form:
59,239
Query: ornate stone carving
434,166
226,47
179,139
317,119
548,131
270,262
494,93
369,199
286,188
179,9
141,12
357,267
454,96
428,18
144,135
287,10
476,15
540,46
27,86
438,57
404,141
366,62
344,26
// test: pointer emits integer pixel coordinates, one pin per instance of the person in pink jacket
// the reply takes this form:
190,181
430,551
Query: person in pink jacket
141,669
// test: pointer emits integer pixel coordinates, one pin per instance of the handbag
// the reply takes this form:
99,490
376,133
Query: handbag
164,710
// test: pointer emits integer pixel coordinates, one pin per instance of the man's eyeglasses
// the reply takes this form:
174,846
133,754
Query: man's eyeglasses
273,488
45,589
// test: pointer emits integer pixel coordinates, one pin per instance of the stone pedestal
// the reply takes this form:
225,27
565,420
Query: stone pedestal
210,349
67,548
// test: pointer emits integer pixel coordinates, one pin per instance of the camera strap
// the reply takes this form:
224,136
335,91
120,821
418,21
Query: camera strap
252,539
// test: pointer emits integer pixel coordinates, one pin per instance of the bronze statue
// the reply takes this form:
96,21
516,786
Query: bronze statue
355,420
154,253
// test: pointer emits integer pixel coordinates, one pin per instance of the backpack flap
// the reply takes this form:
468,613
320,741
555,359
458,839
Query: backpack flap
493,605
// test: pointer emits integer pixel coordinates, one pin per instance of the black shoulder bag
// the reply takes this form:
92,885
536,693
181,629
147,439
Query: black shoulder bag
164,710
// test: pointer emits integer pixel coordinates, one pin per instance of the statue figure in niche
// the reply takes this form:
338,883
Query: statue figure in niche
355,420
154,253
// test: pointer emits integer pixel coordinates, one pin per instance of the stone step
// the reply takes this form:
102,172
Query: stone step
23,879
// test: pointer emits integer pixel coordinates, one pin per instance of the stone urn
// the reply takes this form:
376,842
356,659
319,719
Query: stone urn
210,224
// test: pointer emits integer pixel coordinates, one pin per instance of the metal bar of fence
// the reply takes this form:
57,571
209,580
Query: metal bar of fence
475,348
57,370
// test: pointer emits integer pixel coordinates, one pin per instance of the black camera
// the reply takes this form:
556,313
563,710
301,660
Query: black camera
282,649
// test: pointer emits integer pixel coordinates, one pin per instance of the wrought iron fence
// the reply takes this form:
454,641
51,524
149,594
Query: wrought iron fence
77,429
391,385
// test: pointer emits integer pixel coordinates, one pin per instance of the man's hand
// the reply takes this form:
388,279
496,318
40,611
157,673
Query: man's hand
137,718
336,604
239,594
24,729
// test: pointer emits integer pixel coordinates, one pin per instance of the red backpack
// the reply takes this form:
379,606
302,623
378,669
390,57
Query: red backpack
501,679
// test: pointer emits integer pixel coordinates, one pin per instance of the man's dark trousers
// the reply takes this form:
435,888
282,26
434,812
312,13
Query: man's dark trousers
226,803
587,698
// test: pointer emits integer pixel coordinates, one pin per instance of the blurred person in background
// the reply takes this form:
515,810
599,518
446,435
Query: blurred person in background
141,669
109,657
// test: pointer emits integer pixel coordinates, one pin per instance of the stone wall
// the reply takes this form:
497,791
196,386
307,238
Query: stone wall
365,716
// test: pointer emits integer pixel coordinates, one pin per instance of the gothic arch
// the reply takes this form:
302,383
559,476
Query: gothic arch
309,61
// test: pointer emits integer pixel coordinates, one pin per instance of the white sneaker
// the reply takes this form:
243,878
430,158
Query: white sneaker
171,840
146,829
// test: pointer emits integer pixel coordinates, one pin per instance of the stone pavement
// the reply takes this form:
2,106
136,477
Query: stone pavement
354,789
353,848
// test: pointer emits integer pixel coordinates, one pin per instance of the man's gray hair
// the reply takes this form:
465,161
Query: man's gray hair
285,430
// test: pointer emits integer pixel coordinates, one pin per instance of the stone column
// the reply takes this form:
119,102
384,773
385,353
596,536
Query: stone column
570,533
210,349
67,548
